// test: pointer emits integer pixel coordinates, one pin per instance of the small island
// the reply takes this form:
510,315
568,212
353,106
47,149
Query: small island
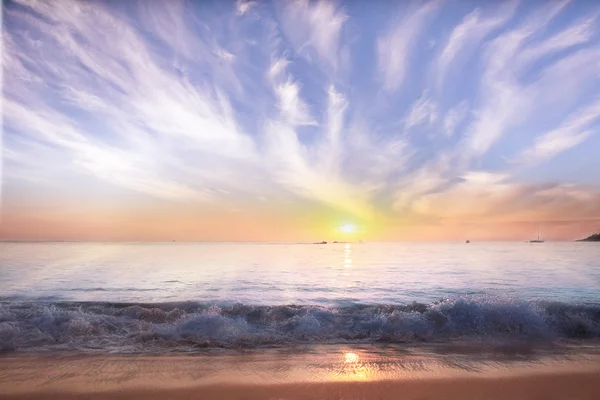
593,238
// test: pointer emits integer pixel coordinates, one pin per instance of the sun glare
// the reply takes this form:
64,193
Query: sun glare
348,228
350,358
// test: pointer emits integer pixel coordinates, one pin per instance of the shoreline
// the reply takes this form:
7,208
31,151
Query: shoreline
579,385
333,373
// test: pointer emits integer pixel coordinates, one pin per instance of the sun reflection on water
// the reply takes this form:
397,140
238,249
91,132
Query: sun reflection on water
347,255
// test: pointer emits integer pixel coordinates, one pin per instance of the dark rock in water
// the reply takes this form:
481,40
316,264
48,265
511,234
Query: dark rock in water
468,241
593,238
323,242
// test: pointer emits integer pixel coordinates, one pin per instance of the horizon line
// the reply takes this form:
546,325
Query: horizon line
277,242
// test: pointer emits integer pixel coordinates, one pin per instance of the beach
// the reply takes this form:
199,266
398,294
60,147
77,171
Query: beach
319,374
580,386
297,321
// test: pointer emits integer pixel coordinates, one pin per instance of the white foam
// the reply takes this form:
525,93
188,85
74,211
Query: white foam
145,327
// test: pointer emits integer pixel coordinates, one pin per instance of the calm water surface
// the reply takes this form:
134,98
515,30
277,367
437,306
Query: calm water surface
273,274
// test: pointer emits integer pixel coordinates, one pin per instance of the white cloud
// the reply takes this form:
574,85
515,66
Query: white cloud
370,159
484,177
505,101
458,36
292,164
121,168
427,179
578,33
110,74
193,106
423,111
571,133
277,68
292,107
224,55
316,25
468,34
395,47
336,108
454,117
243,7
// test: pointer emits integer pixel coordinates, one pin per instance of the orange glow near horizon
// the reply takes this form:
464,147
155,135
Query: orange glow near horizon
215,134
94,219
167,225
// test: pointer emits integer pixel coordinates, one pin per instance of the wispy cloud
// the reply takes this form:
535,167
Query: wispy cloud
292,107
249,104
315,25
244,6
578,33
505,99
454,117
332,151
394,48
575,130
127,91
469,34
422,111
493,202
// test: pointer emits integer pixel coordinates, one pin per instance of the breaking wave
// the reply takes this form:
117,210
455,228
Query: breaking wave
189,326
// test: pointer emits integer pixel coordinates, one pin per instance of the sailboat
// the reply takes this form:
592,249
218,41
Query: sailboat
539,239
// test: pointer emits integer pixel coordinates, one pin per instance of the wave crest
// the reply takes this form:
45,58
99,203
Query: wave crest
185,326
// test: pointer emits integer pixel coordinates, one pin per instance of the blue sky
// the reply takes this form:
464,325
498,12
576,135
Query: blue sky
452,112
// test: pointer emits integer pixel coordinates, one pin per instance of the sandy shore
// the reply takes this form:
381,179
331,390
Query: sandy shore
581,386
337,374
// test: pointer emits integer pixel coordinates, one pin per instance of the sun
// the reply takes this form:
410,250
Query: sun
348,228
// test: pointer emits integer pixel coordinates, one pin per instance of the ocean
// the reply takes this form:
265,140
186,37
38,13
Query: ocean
183,297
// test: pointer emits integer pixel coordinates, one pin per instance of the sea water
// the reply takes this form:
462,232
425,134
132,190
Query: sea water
154,297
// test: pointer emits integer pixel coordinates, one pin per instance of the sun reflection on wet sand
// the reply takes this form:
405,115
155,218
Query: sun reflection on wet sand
353,369
351,358
318,364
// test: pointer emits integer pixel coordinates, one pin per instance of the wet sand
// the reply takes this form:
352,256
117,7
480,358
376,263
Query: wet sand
581,386
336,373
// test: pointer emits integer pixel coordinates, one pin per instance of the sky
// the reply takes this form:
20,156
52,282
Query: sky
300,120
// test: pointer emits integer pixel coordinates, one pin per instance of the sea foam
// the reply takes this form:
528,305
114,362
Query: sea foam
188,326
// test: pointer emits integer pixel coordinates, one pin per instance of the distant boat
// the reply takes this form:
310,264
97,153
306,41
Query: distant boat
468,241
323,242
539,239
